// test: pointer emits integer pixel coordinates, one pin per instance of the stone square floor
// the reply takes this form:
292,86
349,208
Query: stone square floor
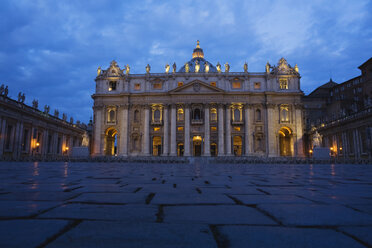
60,204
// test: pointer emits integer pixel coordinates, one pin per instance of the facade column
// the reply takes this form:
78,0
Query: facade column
97,131
55,142
45,143
207,130
20,140
299,128
123,122
64,144
16,140
173,148
228,130
166,131
246,129
221,144
356,143
187,130
2,135
345,146
146,132
271,139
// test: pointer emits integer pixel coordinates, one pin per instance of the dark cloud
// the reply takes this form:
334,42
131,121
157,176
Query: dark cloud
50,49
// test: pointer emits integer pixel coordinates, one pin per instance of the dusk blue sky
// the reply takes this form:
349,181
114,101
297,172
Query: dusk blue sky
50,50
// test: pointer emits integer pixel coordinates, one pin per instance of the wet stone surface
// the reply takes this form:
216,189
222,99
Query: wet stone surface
185,205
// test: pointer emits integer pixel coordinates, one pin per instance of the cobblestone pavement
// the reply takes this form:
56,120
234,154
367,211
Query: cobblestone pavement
184,205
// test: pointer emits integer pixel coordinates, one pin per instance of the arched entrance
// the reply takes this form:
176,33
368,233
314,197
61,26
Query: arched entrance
238,144
213,149
156,146
285,141
111,140
197,146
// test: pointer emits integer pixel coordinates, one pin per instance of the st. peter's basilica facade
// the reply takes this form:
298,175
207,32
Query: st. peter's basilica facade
198,110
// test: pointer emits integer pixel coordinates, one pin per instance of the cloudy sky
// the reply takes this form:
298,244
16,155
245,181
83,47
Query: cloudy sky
50,50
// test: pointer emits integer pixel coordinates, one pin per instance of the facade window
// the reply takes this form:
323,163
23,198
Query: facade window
156,129
112,85
180,114
137,86
157,86
284,113
157,115
196,114
179,84
213,114
236,85
258,115
111,116
237,129
180,129
283,84
237,115
214,84
257,85
136,116
213,129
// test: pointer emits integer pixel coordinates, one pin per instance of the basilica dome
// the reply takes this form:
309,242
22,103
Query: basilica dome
198,59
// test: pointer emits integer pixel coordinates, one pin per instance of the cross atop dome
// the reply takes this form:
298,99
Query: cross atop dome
198,52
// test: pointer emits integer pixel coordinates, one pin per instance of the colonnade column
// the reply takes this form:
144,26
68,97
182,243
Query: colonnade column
166,131
207,146
173,148
228,130
123,120
187,130
221,144
246,129
146,135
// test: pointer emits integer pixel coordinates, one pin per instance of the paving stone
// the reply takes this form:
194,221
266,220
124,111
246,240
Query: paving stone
28,233
363,233
92,234
219,214
37,196
268,236
191,198
128,213
362,207
258,199
18,209
111,198
316,215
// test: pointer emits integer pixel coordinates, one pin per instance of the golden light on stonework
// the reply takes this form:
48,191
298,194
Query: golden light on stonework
198,52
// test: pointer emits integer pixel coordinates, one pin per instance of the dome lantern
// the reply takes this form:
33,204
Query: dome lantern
198,52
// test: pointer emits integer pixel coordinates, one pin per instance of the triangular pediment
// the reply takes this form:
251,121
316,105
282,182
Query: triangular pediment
196,87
